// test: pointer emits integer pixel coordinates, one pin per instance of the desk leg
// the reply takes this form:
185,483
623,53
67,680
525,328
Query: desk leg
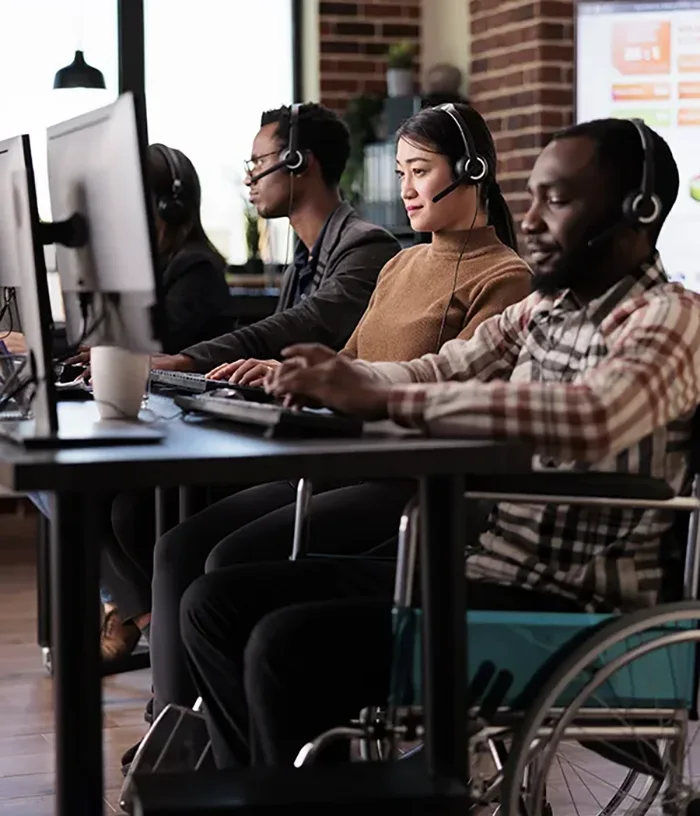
444,640
192,500
43,602
75,608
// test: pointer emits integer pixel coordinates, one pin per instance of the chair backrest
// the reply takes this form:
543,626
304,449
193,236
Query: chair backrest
695,443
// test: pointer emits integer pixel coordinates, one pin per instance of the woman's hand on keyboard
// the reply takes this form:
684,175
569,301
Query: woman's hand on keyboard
244,372
315,373
15,343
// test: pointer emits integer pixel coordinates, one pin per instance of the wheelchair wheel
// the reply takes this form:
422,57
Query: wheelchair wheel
608,732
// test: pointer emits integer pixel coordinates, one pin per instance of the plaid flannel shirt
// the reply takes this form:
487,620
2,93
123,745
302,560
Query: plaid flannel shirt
611,386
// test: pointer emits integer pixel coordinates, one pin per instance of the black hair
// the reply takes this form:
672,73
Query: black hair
321,133
621,157
160,182
435,129
433,99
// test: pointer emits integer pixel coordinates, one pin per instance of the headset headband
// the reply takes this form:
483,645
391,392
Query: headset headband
470,152
174,169
293,157
645,199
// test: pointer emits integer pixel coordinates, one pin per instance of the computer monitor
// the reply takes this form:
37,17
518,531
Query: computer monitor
22,250
104,230
23,269
10,151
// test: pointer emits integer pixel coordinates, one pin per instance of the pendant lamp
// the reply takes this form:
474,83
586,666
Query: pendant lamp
78,75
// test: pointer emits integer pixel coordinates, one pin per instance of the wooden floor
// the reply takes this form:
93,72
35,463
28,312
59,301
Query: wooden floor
26,711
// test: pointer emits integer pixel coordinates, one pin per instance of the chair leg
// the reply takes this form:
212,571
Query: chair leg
300,544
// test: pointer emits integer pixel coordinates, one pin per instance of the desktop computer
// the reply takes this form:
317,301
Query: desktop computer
22,271
104,236
104,230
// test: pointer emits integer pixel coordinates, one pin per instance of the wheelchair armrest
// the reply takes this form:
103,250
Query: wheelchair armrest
576,483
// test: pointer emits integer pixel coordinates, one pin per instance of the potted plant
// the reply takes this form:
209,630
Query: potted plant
254,264
361,117
399,75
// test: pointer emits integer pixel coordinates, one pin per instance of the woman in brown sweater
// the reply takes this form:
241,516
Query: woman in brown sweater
425,296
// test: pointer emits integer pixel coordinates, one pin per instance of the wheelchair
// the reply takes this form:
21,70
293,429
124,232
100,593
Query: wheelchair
590,714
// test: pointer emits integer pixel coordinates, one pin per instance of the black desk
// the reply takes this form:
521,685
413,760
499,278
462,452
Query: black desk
197,452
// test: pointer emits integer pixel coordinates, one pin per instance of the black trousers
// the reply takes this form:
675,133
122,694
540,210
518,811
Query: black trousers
127,560
256,525
127,565
281,652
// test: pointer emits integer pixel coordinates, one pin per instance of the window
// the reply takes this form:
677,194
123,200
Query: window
39,37
211,69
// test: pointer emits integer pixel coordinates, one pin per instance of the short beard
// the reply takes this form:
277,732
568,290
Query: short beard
581,267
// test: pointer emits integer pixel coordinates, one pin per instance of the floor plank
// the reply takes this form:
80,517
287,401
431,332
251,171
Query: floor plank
27,735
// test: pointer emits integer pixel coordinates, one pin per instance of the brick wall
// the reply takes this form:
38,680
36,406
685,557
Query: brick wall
521,80
354,37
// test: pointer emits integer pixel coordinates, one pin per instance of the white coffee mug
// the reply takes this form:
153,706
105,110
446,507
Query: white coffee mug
119,381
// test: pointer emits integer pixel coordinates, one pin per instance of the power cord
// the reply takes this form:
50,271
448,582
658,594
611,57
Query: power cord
454,283
9,296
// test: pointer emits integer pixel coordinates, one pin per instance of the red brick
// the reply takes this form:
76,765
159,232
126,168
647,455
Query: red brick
339,47
403,30
349,9
358,66
499,19
355,29
381,10
522,81
335,84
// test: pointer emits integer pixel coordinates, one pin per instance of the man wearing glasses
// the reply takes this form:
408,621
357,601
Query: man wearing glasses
295,172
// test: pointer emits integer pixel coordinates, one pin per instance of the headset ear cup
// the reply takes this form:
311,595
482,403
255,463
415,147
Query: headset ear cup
295,161
171,211
628,208
640,209
461,166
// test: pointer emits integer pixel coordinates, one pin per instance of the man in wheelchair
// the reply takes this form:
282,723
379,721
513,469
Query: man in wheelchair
597,369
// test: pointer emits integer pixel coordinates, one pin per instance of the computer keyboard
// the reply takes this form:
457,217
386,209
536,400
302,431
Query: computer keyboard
183,381
279,421
11,415
199,384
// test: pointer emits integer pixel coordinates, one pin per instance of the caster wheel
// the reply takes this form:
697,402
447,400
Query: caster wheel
46,660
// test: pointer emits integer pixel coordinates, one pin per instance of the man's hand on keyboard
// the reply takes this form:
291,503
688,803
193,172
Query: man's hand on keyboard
244,372
314,372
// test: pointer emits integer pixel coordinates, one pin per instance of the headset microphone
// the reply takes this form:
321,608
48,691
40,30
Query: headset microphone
607,234
268,171
448,190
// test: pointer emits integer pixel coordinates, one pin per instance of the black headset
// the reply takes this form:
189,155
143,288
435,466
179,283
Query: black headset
643,206
171,206
292,159
470,168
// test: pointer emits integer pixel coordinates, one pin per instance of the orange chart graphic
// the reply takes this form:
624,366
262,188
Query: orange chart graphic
689,117
689,90
689,63
641,91
642,47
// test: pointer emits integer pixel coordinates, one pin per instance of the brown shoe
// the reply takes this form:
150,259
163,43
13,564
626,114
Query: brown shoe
117,639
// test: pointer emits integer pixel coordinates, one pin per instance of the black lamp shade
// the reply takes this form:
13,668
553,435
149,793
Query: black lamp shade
79,75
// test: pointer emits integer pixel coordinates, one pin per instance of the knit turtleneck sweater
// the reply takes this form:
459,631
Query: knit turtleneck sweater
405,313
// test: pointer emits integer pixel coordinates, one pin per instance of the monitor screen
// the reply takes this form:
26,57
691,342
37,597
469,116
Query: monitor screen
642,59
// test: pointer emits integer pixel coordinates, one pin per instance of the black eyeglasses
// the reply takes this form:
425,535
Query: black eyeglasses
254,164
